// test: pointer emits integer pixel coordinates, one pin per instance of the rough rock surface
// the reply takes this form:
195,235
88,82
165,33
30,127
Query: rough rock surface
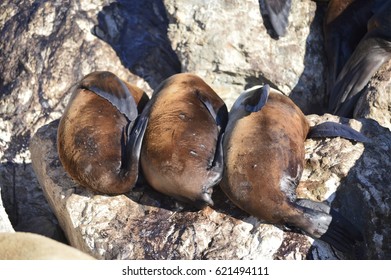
375,102
47,46
227,42
144,224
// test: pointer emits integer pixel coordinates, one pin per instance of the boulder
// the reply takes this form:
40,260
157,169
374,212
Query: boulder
144,224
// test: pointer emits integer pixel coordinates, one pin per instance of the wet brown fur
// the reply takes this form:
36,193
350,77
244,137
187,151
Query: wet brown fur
259,149
181,137
89,141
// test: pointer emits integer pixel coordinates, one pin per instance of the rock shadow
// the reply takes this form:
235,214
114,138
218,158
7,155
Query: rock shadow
317,103
137,31
26,206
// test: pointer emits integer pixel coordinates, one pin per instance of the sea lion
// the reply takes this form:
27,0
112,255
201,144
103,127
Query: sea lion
358,42
263,163
31,246
98,144
181,154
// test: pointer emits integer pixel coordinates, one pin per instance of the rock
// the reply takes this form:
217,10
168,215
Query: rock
376,98
144,224
227,43
5,224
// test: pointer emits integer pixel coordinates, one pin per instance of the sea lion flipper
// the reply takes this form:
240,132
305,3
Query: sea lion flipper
332,129
369,55
330,227
220,117
278,11
111,88
136,136
256,101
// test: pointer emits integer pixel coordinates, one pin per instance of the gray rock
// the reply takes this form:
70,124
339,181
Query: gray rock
227,43
376,98
144,224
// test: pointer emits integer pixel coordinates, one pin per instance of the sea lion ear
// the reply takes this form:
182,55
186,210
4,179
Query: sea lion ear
110,87
257,98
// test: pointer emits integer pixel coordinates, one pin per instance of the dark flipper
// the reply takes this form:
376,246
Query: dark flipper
332,129
326,224
133,142
217,165
257,98
111,88
372,51
278,11
369,55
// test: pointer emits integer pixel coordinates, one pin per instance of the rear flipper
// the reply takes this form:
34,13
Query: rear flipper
110,87
332,129
322,222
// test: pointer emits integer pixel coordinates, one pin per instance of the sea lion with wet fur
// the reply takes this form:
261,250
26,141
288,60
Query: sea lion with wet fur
181,155
263,163
98,143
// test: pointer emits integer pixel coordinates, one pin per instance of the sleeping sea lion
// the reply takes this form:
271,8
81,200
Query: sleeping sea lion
181,155
97,142
263,163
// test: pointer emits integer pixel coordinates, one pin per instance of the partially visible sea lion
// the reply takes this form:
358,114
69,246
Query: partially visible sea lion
358,42
263,163
31,246
97,142
181,155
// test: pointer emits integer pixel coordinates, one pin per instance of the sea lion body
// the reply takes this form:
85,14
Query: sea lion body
179,156
31,246
263,163
93,134
264,157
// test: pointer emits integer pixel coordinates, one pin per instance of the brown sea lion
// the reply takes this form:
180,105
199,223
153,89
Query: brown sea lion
358,42
263,163
181,155
31,246
97,142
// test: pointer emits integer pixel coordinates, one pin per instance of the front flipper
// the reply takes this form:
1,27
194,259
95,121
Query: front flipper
257,98
332,129
217,165
132,149
369,55
111,88
278,11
